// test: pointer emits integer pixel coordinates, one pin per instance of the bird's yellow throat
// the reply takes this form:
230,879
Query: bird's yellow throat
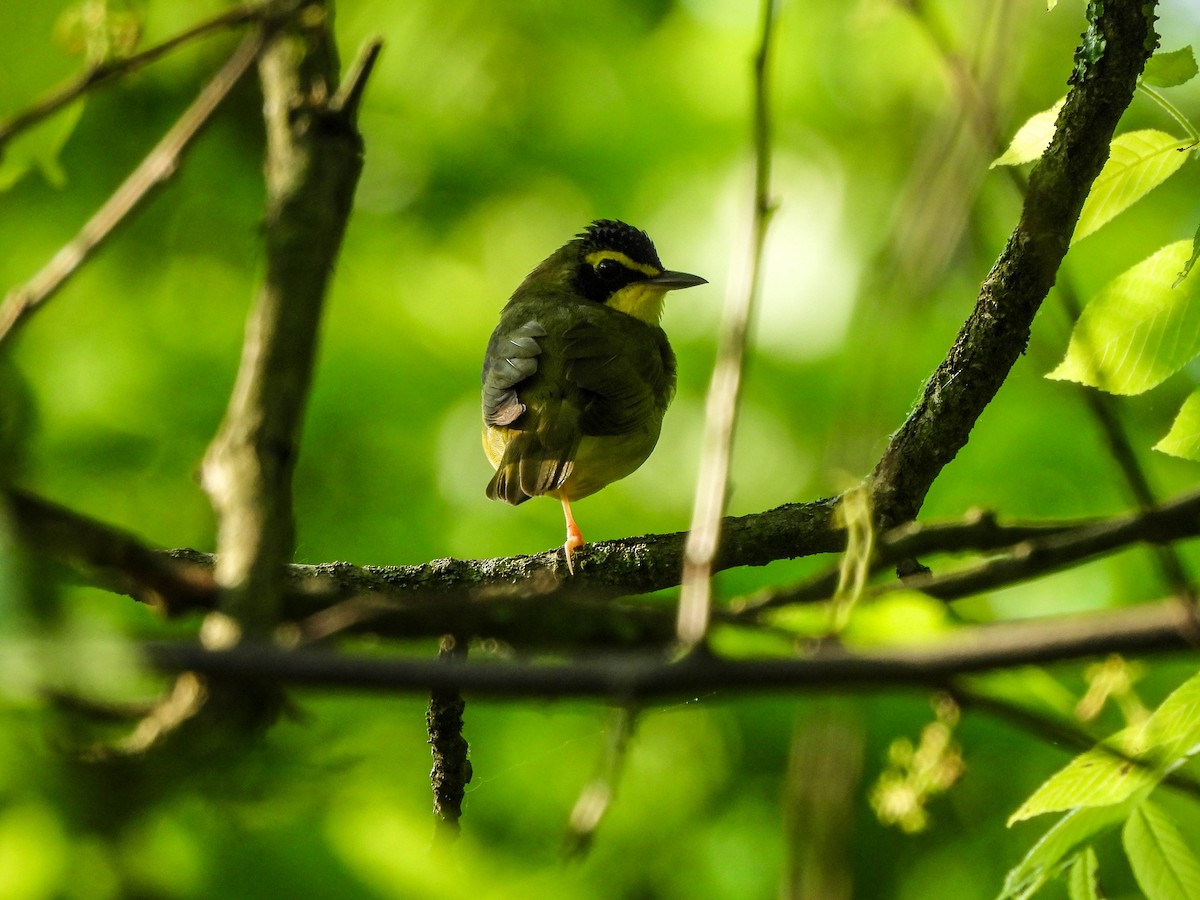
640,300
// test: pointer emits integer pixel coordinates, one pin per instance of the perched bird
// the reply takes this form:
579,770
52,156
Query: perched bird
578,373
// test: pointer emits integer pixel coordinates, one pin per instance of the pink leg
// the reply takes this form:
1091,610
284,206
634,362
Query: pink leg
574,536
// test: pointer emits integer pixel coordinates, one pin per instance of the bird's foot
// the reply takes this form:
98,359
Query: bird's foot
573,542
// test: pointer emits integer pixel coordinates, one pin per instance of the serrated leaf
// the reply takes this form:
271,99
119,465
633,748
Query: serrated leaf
1170,69
1187,269
1138,330
1183,440
1173,730
1097,777
1138,162
1165,866
1082,880
1045,859
1031,139
1100,777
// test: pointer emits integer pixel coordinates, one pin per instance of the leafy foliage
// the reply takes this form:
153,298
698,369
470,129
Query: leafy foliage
1183,439
1139,330
1138,162
1051,854
1165,866
1082,883
1031,139
492,133
1170,69
1109,785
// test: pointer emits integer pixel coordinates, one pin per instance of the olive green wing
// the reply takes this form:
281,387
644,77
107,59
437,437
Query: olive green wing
511,358
537,425
624,377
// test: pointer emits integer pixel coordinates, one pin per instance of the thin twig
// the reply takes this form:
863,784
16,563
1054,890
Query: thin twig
112,69
1171,110
1030,551
1151,628
598,794
159,165
1055,731
712,484
350,92
451,771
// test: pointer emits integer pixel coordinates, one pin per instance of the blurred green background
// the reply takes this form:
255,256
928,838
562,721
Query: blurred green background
494,132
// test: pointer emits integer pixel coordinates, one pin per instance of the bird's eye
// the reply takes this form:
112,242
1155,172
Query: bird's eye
610,270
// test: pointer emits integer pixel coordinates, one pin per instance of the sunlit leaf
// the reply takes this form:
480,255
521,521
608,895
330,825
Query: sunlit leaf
1082,883
1100,777
1170,69
1138,162
1031,139
1173,729
1183,439
1187,269
1165,866
1138,330
1044,861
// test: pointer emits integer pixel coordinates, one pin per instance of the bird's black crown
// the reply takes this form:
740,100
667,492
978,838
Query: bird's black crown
609,234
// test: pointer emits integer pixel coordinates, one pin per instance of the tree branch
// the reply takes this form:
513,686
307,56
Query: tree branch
1103,406
1032,550
314,156
622,567
522,599
1152,628
1121,38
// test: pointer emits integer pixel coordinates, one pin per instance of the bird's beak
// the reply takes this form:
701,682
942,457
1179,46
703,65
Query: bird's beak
672,281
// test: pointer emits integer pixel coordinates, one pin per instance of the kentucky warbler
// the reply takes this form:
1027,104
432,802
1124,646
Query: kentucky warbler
578,373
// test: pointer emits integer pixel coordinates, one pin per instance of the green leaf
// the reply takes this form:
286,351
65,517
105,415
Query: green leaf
1045,859
1172,732
1138,162
1031,139
1165,866
1100,777
1138,330
1183,440
1187,269
1170,69
1082,883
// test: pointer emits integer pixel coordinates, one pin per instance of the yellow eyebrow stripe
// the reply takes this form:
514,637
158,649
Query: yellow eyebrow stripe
596,256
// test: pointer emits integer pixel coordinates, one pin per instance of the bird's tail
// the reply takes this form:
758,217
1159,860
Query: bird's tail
528,469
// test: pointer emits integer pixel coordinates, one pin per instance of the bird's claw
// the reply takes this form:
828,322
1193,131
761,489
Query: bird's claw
573,542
